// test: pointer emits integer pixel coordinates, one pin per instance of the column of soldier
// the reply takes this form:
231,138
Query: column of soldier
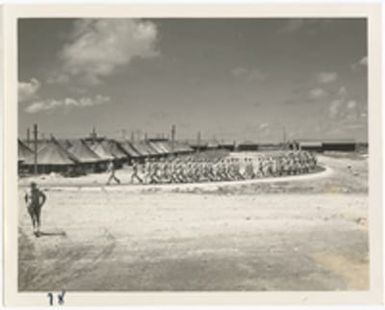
193,169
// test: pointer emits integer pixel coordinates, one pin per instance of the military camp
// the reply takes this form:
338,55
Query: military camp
163,155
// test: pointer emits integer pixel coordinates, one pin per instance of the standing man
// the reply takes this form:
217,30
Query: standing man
111,169
35,199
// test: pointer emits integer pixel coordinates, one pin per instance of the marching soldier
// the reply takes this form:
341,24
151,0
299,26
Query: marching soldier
237,170
135,175
154,179
112,169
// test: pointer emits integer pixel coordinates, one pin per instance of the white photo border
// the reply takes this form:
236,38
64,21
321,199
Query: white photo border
370,11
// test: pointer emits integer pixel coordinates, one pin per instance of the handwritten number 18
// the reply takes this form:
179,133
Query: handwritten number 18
60,298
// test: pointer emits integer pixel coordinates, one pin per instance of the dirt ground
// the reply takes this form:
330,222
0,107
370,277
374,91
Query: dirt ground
284,235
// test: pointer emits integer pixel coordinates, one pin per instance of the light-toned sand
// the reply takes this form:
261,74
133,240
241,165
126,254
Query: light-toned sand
232,238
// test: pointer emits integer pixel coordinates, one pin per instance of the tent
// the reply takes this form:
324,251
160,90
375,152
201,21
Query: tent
52,158
90,161
65,143
114,149
165,145
126,145
82,151
159,148
23,151
41,143
156,151
101,151
143,149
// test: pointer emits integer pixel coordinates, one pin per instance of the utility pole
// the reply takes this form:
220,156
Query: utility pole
28,137
145,136
173,132
93,134
132,136
284,136
199,141
35,132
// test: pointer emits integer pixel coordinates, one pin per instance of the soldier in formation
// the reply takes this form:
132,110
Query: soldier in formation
197,168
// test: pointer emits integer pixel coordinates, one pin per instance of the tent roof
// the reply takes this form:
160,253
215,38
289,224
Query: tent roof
101,151
23,151
160,147
40,143
53,154
129,149
143,149
66,143
114,149
150,149
165,145
156,148
83,152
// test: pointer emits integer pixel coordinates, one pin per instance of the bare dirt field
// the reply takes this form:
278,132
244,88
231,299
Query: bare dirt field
308,234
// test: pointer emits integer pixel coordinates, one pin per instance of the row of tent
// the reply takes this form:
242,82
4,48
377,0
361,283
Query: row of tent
66,155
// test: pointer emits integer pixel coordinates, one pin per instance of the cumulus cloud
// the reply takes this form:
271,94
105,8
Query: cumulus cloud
345,110
335,108
51,104
263,126
342,92
326,77
317,93
98,47
27,90
250,75
351,104
362,63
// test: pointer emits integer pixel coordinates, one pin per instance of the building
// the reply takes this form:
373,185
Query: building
52,158
89,160
313,146
247,146
345,145
339,145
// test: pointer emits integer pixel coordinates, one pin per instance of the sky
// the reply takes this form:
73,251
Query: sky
230,79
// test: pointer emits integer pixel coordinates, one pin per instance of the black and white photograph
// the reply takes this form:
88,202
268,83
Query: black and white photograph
176,154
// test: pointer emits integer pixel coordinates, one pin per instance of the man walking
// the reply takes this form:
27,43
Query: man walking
135,175
111,169
35,199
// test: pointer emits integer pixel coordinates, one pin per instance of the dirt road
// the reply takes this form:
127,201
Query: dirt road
194,242
127,241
